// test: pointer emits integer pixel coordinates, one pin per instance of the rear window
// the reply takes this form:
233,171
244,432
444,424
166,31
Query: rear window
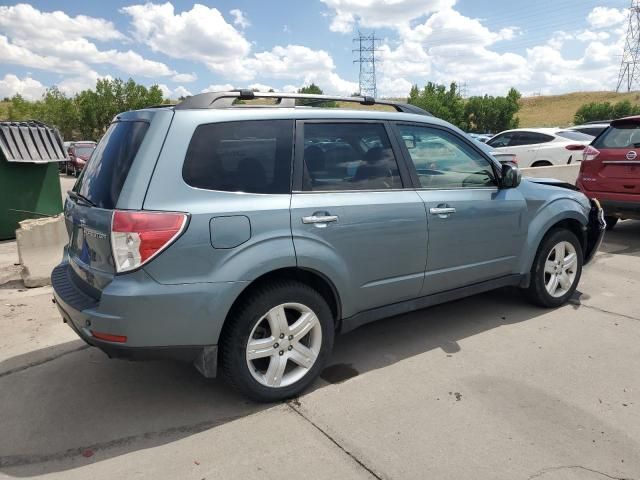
575,136
251,157
103,177
622,135
83,151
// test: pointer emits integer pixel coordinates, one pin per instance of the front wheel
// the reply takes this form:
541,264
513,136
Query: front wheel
556,269
277,343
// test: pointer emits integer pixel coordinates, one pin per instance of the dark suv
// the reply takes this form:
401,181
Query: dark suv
247,236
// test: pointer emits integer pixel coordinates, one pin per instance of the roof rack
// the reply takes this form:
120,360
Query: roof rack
226,100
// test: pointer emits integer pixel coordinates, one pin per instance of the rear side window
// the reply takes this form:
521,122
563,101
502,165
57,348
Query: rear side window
622,135
530,138
348,156
250,157
576,136
103,177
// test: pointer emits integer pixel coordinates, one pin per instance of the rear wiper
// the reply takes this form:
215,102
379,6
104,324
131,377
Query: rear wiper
78,196
636,145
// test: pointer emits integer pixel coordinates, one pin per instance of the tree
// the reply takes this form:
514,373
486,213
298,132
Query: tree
490,114
441,102
314,89
590,112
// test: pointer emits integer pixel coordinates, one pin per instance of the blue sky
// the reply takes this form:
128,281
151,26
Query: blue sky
546,46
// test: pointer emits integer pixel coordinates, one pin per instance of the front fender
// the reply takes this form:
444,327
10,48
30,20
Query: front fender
548,215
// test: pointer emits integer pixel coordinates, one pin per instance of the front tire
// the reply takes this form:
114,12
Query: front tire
278,341
556,269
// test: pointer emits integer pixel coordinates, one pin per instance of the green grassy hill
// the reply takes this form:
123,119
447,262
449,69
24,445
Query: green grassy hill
558,110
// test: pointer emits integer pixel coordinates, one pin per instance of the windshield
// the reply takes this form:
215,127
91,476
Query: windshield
573,135
103,177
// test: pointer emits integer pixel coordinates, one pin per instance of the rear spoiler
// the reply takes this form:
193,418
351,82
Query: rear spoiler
31,142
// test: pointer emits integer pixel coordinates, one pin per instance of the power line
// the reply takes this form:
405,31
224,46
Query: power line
630,64
367,49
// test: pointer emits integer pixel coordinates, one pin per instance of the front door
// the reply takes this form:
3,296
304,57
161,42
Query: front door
476,230
352,217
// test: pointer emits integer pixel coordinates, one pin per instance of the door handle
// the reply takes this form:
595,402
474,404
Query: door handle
320,219
442,210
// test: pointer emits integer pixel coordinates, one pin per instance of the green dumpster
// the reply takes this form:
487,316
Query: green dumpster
29,180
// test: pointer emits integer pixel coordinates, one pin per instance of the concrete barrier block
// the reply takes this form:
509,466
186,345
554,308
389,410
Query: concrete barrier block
40,244
566,173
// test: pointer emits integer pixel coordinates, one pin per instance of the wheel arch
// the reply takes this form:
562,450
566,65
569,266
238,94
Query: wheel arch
317,280
559,214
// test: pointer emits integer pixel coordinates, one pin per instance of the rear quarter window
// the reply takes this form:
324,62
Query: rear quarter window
624,135
248,156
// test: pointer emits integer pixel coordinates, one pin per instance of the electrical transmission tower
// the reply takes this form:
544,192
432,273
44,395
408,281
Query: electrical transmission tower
630,65
367,60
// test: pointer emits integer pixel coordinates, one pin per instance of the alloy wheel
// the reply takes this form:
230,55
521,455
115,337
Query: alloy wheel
560,269
283,345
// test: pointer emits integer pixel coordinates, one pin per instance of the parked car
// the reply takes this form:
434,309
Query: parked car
610,170
591,128
79,153
541,147
502,157
481,137
199,232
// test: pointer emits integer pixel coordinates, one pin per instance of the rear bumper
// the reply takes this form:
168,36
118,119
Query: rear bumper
595,230
180,322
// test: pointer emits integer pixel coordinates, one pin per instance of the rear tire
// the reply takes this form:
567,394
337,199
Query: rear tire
611,222
277,342
556,269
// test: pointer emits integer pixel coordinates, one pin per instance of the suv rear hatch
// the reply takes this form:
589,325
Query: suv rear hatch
612,162
129,148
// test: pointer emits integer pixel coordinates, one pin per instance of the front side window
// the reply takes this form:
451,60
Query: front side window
348,156
443,160
250,157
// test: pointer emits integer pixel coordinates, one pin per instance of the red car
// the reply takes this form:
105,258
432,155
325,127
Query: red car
610,170
79,153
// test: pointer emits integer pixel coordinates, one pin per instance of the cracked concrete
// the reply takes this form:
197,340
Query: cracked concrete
484,388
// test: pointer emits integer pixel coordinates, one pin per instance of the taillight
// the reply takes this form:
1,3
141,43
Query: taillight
589,153
137,237
575,147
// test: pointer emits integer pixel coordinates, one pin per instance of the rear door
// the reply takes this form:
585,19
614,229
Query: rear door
354,215
616,168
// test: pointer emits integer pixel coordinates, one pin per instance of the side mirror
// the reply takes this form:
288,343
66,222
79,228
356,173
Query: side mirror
511,175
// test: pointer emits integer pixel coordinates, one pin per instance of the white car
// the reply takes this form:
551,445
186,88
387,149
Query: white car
541,147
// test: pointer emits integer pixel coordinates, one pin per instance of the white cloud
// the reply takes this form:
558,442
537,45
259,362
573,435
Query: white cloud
447,27
260,87
29,88
605,17
200,34
589,35
380,13
240,19
56,42
224,87
77,83
180,91
24,21
184,78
